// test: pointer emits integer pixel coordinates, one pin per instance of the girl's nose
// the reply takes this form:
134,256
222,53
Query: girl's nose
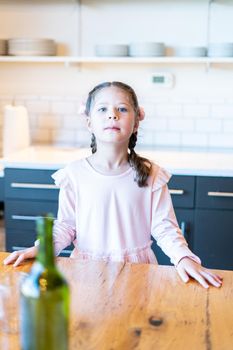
113,116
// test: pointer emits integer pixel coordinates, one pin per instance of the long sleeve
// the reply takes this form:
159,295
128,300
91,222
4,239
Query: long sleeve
64,230
165,228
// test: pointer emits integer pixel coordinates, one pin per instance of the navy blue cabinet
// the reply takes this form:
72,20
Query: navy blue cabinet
213,234
29,193
182,190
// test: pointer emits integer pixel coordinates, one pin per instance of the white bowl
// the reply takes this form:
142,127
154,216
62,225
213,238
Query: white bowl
146,49
112,50
190,51
220,50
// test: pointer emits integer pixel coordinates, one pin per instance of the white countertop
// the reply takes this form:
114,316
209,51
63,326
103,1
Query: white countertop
179,162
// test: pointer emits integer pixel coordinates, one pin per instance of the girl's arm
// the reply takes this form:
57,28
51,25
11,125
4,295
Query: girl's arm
169,237
64,229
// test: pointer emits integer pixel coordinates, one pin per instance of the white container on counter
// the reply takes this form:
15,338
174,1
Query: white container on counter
16,133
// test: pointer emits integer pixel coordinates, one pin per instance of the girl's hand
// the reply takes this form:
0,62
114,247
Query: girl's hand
19,256
187,267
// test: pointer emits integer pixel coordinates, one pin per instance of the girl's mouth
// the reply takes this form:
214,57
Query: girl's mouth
113,128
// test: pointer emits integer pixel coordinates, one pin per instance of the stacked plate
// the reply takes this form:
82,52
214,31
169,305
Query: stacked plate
31,47
111,50
220,50
189,51
3,47
147,49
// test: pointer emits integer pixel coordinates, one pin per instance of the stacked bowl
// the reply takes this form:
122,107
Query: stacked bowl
189,51
146,49
111,50
220,50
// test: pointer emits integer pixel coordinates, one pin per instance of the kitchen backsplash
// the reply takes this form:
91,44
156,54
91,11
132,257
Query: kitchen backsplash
173,122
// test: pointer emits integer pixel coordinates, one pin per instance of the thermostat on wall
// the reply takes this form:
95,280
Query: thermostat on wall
162,79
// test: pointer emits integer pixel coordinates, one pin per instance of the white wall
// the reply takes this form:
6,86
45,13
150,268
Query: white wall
197,111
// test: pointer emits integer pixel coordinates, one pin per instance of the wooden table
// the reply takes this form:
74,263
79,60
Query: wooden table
135,306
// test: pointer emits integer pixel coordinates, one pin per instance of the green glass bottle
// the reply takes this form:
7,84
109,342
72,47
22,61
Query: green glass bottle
44,303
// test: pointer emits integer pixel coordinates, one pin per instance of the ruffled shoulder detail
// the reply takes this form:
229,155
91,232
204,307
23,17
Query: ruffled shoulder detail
161,177
61,178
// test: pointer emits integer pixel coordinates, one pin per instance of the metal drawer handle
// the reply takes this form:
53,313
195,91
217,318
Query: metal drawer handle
177,192
220,194
35,186
25,217
18,248
66,251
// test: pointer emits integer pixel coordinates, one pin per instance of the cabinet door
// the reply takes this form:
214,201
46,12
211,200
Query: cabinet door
23,214
213,238
185,218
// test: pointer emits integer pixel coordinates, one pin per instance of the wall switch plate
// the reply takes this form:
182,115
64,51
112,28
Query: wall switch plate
162,79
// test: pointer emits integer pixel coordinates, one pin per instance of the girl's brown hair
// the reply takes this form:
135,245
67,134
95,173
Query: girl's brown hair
142,166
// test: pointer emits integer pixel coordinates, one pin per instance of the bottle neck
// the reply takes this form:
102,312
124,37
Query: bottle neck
45,234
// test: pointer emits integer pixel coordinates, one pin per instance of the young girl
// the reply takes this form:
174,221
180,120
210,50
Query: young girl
111,202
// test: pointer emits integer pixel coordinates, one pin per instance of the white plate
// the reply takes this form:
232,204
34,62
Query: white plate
31,46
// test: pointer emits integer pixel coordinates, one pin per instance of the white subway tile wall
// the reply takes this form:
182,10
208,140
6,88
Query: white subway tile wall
190,122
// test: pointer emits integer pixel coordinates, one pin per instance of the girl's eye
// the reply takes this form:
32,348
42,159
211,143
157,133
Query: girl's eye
122,109
102,109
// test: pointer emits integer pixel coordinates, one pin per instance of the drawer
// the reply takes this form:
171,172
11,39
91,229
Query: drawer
214,192
182,190
23,214
18,239
30,184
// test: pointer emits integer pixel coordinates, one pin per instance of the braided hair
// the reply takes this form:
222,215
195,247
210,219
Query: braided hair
142,166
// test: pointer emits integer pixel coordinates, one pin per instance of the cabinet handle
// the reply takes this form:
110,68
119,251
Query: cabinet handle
25,217
34,186
183,229
66,251
220,194
176,192
18,248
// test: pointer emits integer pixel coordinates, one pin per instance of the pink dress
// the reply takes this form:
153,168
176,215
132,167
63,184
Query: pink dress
110,218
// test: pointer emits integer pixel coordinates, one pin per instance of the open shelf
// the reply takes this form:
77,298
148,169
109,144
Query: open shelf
79,59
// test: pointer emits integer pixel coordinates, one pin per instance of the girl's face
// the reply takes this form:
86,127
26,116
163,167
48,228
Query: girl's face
112,116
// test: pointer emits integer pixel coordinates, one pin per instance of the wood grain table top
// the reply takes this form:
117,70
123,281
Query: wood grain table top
118,306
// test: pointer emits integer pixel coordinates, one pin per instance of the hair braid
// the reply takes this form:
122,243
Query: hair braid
93,144
141,165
